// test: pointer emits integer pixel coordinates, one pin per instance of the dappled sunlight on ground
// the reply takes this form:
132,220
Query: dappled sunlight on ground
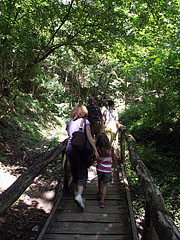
42,198
6,179
40,204
92,173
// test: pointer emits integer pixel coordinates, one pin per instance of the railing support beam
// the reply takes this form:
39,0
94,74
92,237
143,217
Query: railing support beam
158,223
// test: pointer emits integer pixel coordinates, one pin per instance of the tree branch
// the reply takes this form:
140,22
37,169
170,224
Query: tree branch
62,23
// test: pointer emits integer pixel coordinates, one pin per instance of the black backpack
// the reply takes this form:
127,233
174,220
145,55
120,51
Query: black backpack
94,113
79,139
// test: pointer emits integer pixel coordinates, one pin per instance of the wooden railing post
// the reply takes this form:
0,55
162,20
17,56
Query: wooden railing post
149,232
122,144
66,174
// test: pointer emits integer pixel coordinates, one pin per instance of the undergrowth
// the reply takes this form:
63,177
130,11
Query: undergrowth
165,172
157,147
29,125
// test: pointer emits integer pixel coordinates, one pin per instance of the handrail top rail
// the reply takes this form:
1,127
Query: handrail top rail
163,223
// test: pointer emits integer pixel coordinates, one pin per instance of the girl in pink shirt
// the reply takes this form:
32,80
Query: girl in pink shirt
104,165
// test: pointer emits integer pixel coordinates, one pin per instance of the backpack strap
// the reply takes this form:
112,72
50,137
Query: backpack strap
81,125
85,128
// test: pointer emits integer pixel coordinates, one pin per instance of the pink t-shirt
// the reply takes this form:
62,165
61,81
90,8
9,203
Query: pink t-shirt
104,163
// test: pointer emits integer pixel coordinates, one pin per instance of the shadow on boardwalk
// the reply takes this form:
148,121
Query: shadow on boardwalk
113,222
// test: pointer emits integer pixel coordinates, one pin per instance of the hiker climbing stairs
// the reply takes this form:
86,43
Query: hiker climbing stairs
112,222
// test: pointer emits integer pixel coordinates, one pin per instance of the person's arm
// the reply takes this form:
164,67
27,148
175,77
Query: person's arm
116,116
103,119
116,120
91,140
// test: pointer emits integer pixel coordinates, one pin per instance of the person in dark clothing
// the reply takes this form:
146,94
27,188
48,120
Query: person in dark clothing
76,157
94,117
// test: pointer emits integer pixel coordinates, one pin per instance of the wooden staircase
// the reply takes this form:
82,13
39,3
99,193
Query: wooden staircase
113,222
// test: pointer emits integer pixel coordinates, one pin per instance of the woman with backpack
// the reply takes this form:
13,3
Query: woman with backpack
76,157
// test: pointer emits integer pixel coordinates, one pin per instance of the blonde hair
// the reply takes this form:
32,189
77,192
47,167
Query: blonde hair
80,111
102,143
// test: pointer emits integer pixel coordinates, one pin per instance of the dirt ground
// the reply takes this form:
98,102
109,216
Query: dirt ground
26,217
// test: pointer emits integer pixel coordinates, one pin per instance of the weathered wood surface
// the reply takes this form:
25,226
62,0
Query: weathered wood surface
9,196
113,222
98,236
158,224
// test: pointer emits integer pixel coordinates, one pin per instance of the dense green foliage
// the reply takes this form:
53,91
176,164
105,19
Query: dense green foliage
164,169
157,147
127,49
56,53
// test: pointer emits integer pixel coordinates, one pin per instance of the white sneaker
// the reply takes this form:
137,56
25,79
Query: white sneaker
79,200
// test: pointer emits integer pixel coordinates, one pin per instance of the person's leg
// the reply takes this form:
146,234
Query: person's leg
80,190
103,195
99,193
82,179
73,167
107,177
100,186
104,191
75,189
82,176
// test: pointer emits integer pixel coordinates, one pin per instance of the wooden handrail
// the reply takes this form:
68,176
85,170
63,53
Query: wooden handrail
10,195
67,176
158,223
65,187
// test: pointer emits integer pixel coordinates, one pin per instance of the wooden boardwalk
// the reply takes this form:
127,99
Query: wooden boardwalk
113,222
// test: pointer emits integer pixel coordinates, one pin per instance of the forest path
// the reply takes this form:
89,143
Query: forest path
113,222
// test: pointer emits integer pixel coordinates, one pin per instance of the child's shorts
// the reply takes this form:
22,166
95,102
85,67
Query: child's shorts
104,176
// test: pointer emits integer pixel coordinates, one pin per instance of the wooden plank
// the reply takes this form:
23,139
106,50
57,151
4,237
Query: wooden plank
91,217
86,237
94,189
94,197
95,183
117,184
89,228
96,202
113,187
94,223
110,188
95,180
109,192
94,209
